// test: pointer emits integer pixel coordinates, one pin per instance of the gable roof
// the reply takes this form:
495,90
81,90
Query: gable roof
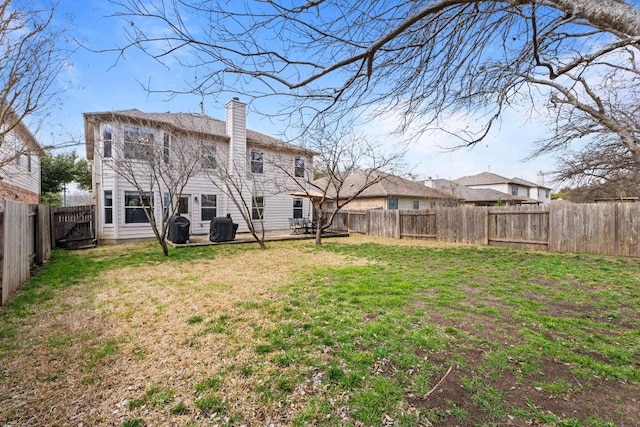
488,178
483,178
387,185
182,123
476,195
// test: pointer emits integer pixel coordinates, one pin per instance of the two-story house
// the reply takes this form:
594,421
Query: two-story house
20,156
268,169
529,192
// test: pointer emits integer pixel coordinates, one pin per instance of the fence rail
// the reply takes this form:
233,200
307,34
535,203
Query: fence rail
24,242
610,229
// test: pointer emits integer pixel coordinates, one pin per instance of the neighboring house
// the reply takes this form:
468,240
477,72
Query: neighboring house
529,192
476,196
20,156
390,192
118,217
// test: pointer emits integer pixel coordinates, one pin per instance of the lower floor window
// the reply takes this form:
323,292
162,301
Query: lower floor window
135,205
297,207
416,204
257,209
108,207
208,207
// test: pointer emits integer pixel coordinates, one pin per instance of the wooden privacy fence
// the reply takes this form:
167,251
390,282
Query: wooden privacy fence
610,229
24,242
73,226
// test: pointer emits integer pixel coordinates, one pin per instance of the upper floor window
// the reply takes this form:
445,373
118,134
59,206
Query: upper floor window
107,140
209,153
257,161
299,167
29,165
19,147
166,147
138,142
514,190
546,194
528,192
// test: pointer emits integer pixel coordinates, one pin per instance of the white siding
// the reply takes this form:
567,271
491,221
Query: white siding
16,172
274,184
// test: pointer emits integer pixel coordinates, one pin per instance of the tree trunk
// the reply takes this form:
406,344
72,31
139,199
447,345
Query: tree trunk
259,240
617,15
165,247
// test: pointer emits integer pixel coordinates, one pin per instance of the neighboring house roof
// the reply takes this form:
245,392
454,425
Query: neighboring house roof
387,185
476,195
488,178
25,135
484,178
185,123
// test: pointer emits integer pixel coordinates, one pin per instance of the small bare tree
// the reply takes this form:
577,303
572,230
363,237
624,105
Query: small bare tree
230,176
32,56
156,163
340,156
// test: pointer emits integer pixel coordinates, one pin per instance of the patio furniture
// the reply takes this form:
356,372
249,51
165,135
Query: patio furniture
309,226
296,225
178,231
222,229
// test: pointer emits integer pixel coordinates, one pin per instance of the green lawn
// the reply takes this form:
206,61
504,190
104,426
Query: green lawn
357,332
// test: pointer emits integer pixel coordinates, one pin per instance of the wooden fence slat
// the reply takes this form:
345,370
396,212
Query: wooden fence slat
608,229
24,242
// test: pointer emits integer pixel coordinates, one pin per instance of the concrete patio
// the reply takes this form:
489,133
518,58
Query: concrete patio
269,236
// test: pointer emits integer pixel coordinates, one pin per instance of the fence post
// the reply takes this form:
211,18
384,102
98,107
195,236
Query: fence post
397,232
486,226
616,229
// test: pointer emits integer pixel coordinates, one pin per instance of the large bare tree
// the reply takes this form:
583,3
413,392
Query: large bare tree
575,59
33,52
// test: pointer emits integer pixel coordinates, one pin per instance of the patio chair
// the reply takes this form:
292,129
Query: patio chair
295,225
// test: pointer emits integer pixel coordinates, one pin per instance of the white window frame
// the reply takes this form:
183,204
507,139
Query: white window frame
129,197
298,166
209,158
209,205
257,207
138,142
257,161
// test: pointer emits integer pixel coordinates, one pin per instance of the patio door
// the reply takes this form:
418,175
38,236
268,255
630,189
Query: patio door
184,206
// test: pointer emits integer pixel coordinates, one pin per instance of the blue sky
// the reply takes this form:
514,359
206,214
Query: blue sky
102,82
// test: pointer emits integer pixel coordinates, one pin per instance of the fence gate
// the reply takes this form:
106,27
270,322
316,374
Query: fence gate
73,226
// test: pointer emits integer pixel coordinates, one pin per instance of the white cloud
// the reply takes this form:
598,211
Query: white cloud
501,152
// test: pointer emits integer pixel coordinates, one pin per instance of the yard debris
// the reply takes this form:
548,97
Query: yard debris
438,383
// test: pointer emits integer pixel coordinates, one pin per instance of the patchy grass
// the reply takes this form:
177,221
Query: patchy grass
357,332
